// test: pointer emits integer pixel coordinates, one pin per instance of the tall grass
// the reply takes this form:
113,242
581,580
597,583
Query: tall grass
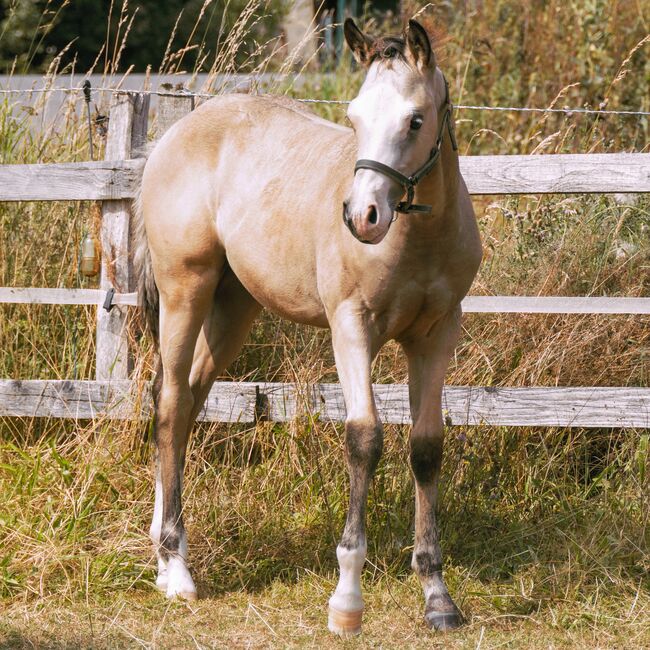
545,531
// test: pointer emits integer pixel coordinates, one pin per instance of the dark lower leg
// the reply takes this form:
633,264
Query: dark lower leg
428,358
363,449
426,458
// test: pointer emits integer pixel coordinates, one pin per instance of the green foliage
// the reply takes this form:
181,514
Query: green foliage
143,32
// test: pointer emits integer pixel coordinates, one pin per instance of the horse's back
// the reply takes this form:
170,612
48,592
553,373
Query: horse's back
258,180
246,152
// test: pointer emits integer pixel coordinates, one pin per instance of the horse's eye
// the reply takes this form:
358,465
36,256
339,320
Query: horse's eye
416,123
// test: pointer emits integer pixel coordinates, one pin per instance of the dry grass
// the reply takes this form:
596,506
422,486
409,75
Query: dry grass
542,530
545,532
287,615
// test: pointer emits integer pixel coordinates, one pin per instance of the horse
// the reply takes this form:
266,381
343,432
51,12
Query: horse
254,202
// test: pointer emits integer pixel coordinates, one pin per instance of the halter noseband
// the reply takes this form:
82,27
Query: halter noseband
409,182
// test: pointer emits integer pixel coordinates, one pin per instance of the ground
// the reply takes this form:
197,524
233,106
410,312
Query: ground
293,613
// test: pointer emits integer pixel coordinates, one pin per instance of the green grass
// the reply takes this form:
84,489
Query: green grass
543,532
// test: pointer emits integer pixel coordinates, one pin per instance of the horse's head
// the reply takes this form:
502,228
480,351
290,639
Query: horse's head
396,119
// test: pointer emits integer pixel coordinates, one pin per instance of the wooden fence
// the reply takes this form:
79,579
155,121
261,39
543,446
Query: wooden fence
114,182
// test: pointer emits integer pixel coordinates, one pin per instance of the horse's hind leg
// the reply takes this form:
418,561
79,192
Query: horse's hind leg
184,305
222,334
363,447
428,358
224,331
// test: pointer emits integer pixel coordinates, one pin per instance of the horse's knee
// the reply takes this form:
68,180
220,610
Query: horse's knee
426,564
426,455
364,444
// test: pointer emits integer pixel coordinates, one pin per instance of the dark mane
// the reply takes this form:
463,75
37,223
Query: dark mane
387,47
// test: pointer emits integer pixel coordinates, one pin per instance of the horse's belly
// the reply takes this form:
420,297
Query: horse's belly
281,282
289,302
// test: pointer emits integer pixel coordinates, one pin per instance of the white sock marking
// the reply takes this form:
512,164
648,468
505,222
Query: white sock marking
347,596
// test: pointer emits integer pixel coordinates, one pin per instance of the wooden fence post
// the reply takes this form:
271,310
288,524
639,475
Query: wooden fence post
127,133
171,107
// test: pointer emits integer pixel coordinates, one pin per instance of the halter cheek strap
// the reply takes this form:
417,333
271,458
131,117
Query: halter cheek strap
409,182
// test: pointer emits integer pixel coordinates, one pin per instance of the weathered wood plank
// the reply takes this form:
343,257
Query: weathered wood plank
557,174
83,181
43,296
554,305
171,108
561,173
71,399
471,304
245,402
127,127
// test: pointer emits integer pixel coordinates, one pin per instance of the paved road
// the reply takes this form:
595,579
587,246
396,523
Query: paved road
45,110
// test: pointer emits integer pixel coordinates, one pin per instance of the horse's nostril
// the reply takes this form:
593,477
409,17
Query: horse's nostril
372,214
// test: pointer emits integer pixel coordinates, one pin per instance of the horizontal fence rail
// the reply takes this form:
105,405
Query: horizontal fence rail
250,402
82,181
471,304
41,296
557,173
543,174
554,305
115,183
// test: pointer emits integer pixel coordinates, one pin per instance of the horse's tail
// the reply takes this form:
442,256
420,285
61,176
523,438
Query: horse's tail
146,285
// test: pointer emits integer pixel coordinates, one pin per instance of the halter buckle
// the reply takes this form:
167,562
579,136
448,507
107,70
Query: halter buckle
404,208
407,207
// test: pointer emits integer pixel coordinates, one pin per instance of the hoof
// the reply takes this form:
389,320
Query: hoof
190,596
345,624
179,581
443,621
182,594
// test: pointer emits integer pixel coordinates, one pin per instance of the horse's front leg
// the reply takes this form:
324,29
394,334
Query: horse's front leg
363,447
428,358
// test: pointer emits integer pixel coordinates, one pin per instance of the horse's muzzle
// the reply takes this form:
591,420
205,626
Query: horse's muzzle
370,217
348,222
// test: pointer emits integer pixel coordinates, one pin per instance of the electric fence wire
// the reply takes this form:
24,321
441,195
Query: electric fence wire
469,107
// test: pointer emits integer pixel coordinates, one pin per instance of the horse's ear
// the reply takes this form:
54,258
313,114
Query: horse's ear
358,42
418,46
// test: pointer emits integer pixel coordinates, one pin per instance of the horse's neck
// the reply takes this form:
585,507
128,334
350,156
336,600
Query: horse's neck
439,189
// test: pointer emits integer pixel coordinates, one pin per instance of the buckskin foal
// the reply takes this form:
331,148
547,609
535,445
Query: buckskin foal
252,202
